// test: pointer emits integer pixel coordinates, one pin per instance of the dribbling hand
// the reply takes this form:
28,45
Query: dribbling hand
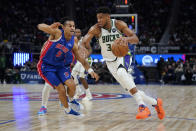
123,41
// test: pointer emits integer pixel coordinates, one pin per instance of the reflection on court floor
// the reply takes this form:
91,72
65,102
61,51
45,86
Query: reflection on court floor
112,109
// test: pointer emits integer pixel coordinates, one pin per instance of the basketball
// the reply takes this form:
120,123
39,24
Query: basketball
120,48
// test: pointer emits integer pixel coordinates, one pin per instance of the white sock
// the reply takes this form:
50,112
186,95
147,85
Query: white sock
88,92
138,98
71,99
148,99
67,109
45,94
78,89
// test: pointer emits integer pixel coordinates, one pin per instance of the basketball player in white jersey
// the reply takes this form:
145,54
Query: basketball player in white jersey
78,70
107,30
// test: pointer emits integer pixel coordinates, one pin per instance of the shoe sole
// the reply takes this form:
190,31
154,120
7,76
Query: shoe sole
160,104
144,117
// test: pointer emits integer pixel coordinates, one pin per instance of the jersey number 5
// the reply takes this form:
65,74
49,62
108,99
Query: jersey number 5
109,47
58,54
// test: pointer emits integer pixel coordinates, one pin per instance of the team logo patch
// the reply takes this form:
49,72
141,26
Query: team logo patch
113,30
66,74
36,96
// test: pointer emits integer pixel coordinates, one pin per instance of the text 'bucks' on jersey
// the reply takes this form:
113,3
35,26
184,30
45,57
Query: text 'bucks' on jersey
106,40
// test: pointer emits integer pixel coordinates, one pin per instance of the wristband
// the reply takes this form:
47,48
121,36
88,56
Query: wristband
90,70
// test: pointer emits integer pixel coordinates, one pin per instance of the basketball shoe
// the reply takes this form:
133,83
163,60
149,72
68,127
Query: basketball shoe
159,109
143,112
87,97
42,111
72,112
76,105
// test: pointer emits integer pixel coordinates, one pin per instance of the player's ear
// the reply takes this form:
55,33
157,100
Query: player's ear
108,16
62,26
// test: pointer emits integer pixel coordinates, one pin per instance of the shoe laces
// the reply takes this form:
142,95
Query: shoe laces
157,107
158,110
141,108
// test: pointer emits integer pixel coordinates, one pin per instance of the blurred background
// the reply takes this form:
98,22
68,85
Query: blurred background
166,53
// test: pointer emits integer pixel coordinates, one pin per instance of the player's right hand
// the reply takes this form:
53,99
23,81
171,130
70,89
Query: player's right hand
94,75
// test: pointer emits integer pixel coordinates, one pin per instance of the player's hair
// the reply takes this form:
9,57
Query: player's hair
65,19
104,10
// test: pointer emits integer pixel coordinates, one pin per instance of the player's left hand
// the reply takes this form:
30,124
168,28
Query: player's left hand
94,75
55,25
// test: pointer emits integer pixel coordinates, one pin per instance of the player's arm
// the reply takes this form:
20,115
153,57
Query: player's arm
50,37
83,61
130,35
50,29
87,38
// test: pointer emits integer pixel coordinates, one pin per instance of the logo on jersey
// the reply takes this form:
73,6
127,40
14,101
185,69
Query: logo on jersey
62,47
69,44
110,38
113,30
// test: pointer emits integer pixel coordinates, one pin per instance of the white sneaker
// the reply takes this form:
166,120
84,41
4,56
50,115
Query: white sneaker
76,96
88,97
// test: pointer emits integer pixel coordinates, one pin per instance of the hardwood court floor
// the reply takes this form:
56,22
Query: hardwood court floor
111,110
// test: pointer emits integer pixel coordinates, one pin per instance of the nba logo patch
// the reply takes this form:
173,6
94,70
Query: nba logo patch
69,44
113,30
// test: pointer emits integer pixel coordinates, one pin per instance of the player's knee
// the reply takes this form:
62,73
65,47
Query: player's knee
61,90
121,72
141,92
125,79
72,87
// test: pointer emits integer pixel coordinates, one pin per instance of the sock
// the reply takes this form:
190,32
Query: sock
67,109
138,98
88,92
45,94
78,90
71,99
147,99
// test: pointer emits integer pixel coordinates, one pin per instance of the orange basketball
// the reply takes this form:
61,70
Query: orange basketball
120,48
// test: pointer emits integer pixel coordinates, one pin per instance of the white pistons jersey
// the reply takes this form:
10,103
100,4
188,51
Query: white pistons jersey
106,40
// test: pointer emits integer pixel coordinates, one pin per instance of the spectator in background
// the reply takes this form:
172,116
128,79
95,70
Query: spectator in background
2,67
188,74
25,67
160,67
179,72
170,76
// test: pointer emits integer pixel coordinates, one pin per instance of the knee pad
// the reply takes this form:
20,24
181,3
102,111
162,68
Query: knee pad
141,92
125,79
121,72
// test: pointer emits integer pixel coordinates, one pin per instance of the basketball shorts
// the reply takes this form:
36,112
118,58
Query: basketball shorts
54,76
78,70
126,81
